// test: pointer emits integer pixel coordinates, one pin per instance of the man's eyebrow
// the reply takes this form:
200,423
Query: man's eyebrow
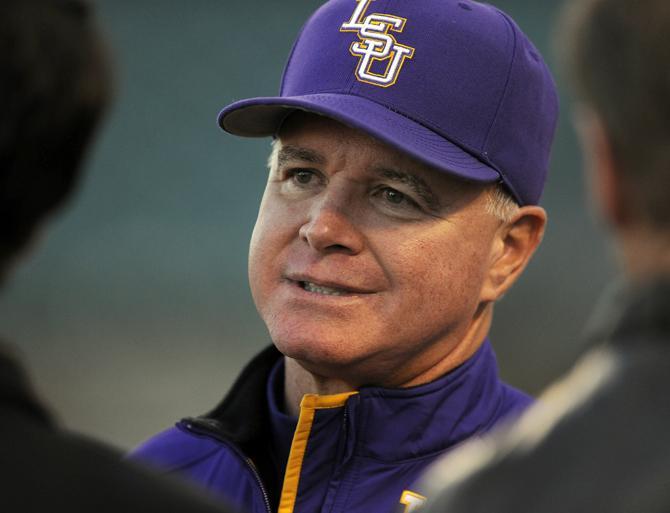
416,183
292,153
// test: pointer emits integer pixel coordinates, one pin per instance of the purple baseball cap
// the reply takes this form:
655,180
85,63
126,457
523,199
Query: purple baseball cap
455,84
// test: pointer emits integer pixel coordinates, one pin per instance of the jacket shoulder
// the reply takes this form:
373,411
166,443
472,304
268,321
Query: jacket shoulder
207,461
515,401
176,448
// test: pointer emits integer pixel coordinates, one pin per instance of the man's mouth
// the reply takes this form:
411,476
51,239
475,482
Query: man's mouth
320,289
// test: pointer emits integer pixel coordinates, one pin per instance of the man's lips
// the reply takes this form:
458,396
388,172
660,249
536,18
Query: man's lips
325,286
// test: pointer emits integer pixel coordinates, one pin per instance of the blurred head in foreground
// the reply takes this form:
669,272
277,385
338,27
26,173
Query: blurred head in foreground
617,52
54,84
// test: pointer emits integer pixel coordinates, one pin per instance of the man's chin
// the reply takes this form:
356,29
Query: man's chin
321,359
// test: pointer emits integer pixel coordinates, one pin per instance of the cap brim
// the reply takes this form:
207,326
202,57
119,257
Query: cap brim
260,117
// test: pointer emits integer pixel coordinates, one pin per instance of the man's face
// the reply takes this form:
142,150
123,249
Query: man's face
366,265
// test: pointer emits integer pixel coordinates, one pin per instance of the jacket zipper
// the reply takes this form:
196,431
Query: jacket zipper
254,471
191,426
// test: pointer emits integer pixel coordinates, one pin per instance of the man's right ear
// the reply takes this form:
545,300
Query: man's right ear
606,183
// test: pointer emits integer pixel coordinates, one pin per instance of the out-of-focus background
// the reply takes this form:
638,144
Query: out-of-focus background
136,309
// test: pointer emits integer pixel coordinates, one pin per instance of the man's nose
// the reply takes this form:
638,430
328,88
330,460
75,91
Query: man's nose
331,227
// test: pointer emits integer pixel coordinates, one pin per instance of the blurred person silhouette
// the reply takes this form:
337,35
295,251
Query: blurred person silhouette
55,82
596,441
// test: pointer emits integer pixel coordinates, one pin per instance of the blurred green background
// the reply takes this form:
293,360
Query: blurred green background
136,309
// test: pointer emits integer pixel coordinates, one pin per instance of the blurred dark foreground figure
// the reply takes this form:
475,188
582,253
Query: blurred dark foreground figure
598,440
54,86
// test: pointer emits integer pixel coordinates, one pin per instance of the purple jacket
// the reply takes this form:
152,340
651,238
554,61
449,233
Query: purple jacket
353,453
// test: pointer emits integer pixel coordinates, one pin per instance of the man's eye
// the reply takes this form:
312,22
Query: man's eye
393,196
302,176
301,180
395,203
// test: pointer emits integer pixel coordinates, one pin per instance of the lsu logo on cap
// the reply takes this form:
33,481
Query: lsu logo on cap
380,56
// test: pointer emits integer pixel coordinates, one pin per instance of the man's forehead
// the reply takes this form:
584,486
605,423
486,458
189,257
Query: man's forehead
303,134
313,138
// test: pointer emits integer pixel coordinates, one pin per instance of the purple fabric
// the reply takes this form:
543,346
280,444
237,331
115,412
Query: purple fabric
213,464
361,457
475,99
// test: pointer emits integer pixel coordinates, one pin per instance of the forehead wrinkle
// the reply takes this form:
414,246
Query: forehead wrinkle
416,183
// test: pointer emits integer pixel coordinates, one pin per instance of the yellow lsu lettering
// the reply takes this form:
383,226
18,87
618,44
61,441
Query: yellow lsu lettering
376,45
412,501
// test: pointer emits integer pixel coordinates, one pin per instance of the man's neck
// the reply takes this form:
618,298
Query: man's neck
300,381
